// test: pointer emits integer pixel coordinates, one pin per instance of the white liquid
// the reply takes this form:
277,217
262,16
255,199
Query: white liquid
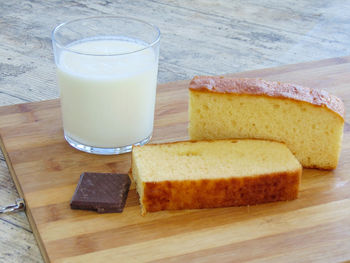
108,101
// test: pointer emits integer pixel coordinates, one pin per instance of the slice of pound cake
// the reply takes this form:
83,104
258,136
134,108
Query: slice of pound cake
218,173
310,122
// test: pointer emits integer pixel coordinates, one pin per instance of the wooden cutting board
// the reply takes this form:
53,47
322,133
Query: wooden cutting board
316,227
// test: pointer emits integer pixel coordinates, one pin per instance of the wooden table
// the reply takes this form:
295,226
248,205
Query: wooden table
198,37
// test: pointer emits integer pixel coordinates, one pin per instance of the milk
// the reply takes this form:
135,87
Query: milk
107,101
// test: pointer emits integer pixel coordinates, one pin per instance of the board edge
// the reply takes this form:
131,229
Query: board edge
27,210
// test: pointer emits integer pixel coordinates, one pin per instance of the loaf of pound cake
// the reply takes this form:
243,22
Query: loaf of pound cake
217,173
309,121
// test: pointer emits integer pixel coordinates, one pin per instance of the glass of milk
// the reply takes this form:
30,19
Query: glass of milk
107,74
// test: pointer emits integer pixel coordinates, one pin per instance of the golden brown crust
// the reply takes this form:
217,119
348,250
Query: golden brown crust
268,88
210,193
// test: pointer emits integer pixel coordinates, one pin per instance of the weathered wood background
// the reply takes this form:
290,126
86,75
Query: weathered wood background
198,37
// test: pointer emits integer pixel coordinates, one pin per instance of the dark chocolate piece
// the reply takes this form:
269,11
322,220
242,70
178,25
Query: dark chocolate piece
102,192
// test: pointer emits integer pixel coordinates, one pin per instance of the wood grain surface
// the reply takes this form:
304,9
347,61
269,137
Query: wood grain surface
315,227
198,37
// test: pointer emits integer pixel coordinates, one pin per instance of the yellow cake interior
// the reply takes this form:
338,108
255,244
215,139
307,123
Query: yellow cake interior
311,132
211,160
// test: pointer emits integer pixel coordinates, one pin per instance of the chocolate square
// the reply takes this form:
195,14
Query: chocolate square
102,192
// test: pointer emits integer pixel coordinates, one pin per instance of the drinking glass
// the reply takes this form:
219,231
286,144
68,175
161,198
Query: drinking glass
107,75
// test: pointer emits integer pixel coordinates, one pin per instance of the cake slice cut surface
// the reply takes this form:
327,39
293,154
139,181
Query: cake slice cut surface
218,173
309,121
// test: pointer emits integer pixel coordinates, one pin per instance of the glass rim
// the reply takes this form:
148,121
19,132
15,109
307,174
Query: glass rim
57,28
